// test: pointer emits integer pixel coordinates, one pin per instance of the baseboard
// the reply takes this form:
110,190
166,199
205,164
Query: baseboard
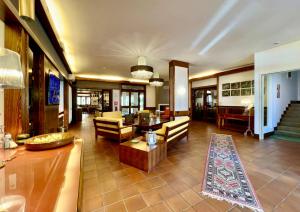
266,135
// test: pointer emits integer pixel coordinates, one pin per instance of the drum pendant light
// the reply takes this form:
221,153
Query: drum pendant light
141,70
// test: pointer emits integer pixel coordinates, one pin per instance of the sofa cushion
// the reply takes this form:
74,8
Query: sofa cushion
126,130
115,114
112,120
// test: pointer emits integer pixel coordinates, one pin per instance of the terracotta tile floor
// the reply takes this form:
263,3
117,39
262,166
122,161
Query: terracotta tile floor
273,168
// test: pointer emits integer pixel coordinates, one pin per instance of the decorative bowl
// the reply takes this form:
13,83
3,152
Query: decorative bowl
48,141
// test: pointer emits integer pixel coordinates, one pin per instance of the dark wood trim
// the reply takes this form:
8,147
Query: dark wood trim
179,63
39,94
42,16
226,72
16,101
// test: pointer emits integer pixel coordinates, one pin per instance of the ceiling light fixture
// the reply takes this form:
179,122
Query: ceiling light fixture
141,70
27,9
156,81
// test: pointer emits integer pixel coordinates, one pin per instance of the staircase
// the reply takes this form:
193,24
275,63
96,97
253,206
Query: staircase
289,125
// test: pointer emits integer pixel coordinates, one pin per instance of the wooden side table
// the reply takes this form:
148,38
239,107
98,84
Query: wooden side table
142,156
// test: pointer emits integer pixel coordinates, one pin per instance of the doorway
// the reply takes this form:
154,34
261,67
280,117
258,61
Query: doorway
204,103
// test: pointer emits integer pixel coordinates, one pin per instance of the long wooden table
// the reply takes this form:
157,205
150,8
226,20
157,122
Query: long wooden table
141,155
47,180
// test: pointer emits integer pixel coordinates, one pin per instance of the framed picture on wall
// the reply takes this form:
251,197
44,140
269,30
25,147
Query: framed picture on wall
235,85
246,84
246,91
236,92
278,91
226,93
226,86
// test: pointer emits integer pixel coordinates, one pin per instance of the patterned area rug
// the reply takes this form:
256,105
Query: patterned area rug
225,177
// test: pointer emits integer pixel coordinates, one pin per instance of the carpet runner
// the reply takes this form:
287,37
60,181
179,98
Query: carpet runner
225,177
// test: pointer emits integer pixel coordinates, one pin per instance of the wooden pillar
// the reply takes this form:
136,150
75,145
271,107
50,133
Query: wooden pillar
66,103
179,88
16,101
39,94
74,103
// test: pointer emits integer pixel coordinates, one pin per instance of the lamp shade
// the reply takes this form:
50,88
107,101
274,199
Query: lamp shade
142,70
11,75
156,81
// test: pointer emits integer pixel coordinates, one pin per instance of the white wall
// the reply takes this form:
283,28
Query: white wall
61,96
116,99
277,106
234,100
205,82
150,96
181,86
70,104
280,59
298,76
2,27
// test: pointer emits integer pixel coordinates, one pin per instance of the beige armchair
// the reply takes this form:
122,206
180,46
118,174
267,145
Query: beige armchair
112,128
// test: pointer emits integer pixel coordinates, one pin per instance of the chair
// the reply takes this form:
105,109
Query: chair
174,130
112,128
166,114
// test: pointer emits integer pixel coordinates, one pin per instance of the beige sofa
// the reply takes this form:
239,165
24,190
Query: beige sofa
112,128
174,130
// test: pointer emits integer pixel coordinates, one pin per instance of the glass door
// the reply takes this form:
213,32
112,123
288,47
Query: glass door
107,100
132,101
204,101
125,98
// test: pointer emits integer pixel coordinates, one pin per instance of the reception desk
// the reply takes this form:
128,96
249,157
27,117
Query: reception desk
44,180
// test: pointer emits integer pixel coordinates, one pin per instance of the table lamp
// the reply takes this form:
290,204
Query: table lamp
11,75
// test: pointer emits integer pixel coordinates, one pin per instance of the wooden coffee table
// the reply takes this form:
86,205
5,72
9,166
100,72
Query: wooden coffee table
141,155
151,124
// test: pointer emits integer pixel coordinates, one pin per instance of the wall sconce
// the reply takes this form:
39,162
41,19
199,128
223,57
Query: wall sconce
11,75
27,9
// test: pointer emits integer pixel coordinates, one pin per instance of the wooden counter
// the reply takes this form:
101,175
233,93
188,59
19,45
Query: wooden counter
48,180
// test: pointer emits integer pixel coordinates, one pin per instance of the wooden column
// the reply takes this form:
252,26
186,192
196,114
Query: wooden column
66,103
39,94
16,101
179,88
74,103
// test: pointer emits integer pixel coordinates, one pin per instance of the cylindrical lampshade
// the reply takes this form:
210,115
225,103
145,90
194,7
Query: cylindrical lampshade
26,9
11,75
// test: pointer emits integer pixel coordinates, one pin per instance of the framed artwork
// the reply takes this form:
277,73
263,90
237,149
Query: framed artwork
278,91
246,84
235,85
226,86
246,91
226,93
236,92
